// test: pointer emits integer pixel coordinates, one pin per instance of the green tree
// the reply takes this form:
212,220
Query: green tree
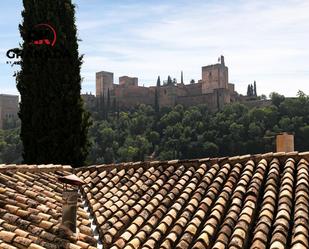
127,153
169,80
10,146
154,138
276,98
114,109
302,138
54,124
263,97
286,124
143,146
101,106
211,149
250,91
10,123
157,104
108,104
109,155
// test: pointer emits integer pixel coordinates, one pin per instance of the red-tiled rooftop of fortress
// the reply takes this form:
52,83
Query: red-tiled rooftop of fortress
250,201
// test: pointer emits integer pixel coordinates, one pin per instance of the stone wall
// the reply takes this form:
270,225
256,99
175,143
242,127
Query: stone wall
131,96
89,101
257,103
170,95
8,108
214,101
194,89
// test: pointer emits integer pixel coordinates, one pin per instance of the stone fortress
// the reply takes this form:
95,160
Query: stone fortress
8,108
213,89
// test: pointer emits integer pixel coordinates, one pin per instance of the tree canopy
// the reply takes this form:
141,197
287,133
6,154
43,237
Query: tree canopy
184,133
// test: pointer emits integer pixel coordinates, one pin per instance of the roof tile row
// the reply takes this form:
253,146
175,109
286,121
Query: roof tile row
239,202
258,201
31,210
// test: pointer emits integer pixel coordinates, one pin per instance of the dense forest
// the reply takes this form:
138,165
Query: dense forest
143,133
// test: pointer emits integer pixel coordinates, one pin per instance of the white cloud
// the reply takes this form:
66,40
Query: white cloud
262,40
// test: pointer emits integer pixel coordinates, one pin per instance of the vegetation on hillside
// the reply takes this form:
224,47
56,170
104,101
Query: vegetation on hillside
143,134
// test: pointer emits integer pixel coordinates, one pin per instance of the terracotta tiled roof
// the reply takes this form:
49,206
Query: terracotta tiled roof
258,201
31,209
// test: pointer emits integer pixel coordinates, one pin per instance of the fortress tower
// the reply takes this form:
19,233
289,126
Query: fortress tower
215,77
8,108
104,81
128,81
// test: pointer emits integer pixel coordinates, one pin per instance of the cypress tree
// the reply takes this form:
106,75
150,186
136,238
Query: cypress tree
102,106
255,93
158,81
118,111
169,80
251,90
97,104
156,104
54,124
114,105
182,77
108,104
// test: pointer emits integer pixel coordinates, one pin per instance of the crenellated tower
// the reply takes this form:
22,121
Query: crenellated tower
215,77
104,81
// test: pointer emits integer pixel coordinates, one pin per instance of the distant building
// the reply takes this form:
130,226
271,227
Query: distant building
89,100
8,108
104,81
215,77
128,81
213,89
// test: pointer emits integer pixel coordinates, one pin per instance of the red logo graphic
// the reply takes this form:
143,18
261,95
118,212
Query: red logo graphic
43,33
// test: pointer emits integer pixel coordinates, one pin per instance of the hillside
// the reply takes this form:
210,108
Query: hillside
185,133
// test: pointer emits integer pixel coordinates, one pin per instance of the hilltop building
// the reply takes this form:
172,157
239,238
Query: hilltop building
89,100
8,108
213,89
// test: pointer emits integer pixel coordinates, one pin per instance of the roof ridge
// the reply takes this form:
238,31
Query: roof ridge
34,168
196,162
189,162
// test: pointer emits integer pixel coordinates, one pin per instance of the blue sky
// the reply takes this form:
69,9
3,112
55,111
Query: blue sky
266,41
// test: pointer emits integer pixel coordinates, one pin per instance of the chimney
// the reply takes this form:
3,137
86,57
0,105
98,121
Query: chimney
285,142
69,197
